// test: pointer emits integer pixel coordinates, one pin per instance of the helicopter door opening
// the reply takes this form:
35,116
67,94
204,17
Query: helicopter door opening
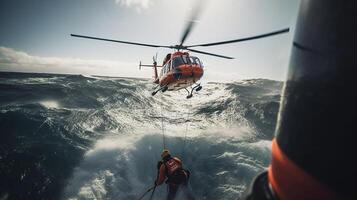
166,68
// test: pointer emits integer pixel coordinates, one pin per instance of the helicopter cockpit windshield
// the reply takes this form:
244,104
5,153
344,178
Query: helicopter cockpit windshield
177,62
190,60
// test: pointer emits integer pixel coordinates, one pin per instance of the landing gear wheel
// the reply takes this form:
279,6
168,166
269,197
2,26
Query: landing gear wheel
189,96
198,88
164,89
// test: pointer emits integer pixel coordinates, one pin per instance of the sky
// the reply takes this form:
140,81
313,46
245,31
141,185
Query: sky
35,36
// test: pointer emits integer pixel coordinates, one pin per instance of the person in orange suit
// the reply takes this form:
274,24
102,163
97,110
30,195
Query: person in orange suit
170,169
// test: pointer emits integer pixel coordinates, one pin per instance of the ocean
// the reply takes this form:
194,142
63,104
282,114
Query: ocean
90,137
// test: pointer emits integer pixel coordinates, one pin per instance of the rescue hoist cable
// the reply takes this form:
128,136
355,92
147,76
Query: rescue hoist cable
162,126
185,134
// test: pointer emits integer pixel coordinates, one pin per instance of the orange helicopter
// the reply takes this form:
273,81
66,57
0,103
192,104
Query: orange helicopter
180,70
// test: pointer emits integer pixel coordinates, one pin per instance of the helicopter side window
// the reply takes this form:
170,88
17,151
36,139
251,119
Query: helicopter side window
193,61
168,66
165,68
177,62
162,71
198,62
201,64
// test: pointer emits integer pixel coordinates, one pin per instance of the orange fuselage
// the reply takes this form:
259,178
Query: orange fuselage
182,75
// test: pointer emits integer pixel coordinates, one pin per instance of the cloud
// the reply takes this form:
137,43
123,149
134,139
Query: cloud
12,60
138,4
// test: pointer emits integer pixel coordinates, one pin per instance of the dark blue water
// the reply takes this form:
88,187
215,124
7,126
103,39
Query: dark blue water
76,137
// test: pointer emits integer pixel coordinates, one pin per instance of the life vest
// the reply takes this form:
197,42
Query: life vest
175,173
172,165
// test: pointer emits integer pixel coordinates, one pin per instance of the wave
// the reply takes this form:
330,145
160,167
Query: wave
79,137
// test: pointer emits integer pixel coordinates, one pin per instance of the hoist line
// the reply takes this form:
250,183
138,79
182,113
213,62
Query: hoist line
186,129
162,126
185,134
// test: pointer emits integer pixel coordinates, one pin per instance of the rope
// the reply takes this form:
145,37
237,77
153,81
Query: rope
162,126
147,192
152,193
185,134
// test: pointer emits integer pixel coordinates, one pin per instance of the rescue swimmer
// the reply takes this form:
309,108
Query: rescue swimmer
170,169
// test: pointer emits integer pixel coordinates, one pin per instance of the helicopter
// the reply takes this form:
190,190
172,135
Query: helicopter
179,69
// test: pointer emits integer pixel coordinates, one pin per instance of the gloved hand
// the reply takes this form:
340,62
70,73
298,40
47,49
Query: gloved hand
159,164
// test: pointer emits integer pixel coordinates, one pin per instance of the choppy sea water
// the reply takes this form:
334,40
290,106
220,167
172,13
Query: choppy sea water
77,137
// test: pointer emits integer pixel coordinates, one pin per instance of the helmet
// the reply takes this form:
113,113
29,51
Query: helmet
165,153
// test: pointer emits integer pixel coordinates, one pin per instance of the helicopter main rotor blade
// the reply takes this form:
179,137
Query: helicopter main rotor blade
211,54
243,39
119,41
187,31
193,19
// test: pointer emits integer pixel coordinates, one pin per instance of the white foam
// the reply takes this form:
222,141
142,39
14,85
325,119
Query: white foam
50,104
